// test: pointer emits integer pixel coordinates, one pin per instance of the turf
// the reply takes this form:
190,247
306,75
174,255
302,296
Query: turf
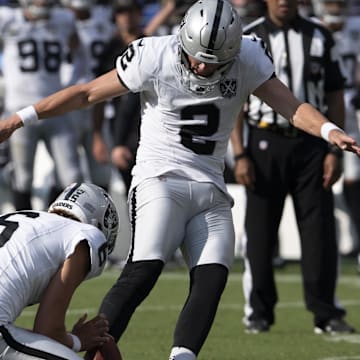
149,335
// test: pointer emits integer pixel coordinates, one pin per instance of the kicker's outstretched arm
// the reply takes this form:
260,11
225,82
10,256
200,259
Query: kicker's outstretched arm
74,97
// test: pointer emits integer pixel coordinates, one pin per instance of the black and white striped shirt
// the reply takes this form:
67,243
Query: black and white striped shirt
305,59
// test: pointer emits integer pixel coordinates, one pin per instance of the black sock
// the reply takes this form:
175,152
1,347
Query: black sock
22,200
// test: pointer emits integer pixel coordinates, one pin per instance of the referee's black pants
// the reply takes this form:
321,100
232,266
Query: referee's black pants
294,166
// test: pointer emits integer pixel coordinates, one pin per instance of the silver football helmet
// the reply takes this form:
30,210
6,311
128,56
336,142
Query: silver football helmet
332,12
79,4
210,32
39,9
89,204
126,4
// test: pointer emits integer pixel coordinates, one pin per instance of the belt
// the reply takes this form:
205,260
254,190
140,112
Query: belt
287,131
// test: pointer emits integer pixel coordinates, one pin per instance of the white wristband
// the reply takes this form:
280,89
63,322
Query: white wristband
76,342
326,128
28,115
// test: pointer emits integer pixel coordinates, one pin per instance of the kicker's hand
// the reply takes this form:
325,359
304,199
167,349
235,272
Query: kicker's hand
92,333
8,126
344,141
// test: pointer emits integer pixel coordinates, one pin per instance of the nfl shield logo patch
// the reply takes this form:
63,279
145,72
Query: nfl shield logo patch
228,87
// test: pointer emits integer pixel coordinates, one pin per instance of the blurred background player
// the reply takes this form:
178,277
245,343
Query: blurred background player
125,111
345,27
249,10
306,8
94,30
44,257
35,37
6,166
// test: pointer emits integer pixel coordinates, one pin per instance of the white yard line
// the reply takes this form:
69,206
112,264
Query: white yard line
356,357
145,308
280,278
178,276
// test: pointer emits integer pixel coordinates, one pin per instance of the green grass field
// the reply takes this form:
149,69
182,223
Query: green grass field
149,335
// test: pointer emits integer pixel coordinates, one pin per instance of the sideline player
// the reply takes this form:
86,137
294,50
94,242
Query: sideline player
44,257
94,33
346,31
192,87
35,37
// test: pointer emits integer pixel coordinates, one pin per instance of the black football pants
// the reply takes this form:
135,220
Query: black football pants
290,166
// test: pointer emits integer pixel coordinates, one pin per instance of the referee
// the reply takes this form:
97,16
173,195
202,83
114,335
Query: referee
280,159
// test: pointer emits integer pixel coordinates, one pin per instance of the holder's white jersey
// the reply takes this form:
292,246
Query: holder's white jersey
32,54
33,245
182,132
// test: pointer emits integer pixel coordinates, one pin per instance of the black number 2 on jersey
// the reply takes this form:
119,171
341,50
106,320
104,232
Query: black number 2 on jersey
192,135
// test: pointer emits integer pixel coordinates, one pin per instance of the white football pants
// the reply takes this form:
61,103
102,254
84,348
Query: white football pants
169,212
21,344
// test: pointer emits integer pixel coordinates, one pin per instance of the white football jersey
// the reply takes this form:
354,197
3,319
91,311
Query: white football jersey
103,11
348,46
33,245
94,33
182,132
32,54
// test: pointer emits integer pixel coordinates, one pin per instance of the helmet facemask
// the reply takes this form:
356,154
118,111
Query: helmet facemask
195,83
